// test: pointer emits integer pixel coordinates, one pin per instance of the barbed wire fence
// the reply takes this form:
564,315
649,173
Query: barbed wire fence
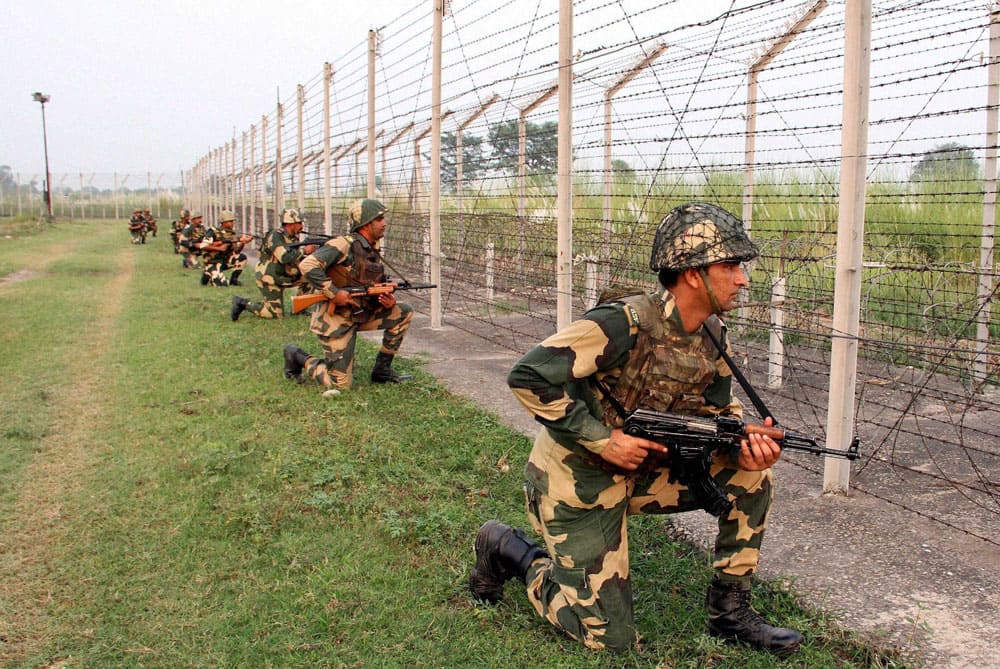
736,103
94,195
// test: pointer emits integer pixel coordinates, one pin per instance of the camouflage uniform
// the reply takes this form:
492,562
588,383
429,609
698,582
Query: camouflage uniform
337,328
637,349
217,263
150,222
137,227
189,240
277,270
177,226
578,505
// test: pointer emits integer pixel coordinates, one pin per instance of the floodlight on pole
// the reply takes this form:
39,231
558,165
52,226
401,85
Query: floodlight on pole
47,191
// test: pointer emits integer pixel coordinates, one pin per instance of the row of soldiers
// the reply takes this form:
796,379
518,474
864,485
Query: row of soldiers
665,351
141,224
320,264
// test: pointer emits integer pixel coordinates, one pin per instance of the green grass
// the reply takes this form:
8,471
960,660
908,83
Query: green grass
169,500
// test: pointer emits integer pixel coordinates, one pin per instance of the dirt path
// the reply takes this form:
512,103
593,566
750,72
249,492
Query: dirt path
42,525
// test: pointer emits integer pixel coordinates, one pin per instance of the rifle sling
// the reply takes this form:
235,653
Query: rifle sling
755,399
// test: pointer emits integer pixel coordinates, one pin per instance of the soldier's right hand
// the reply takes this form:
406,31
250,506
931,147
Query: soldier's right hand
342,298
628,452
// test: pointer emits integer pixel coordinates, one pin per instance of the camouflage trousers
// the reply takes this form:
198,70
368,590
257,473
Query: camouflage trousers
584,588
138,236
336,368
216,271
189,260
273,304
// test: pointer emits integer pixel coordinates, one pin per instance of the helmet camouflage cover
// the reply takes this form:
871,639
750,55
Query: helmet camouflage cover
226,216
364,212
290,216
699,234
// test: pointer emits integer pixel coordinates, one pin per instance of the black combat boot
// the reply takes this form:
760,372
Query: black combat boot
730,617
204,279
234,280
239,306
295,359
382,372
502,553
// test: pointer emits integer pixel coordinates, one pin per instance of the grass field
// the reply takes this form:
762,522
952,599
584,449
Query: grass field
169,500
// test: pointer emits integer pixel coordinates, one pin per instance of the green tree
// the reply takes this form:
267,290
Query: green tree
946,162
474,161
622,170
7,182
541,146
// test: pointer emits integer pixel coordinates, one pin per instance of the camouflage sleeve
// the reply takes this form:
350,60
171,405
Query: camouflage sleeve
551,380
314,266
289,257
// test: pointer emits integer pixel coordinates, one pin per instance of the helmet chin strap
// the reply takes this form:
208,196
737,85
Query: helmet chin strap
716,309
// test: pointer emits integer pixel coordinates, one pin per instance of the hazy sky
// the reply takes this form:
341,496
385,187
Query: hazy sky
142,86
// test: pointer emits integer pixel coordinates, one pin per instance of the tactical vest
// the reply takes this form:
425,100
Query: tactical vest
366,268
667,369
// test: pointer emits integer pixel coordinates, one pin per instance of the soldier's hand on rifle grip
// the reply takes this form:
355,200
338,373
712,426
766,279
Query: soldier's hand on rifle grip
628,452
387,300
342,298
758,452
309,249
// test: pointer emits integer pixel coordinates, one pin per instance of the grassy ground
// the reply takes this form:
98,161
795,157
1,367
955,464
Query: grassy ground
168,500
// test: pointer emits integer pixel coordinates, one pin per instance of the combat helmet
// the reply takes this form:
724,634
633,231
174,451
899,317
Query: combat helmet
226,216
364,212
290,216
196,216
697,235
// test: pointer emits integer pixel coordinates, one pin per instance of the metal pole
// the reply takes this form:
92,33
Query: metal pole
47,192
372,43
301,164
253,178
979,367
612,90
850,242
435,204
564,176
279,170
327,205
263,172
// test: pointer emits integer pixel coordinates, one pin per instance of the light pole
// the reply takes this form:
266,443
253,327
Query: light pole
47,191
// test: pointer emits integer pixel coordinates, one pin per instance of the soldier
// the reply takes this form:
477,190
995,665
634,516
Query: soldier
222,249
585,475
137,227
277,269
190,242
354,259
177,226
150,221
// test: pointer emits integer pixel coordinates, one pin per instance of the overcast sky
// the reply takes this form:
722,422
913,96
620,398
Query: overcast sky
143,86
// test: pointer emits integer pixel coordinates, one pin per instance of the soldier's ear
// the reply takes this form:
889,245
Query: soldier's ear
691,277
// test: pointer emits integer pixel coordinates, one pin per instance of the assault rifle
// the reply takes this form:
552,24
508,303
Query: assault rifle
318,240
690,442
302,302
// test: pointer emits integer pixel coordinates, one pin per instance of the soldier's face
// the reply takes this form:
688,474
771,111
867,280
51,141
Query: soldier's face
378,227
727,278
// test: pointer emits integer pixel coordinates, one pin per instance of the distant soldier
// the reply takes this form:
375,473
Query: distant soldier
190,240
277,269
222,249
150,221
137,227
177,226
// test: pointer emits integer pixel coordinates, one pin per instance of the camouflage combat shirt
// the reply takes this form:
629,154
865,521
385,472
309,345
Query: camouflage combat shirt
637,347
278,261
